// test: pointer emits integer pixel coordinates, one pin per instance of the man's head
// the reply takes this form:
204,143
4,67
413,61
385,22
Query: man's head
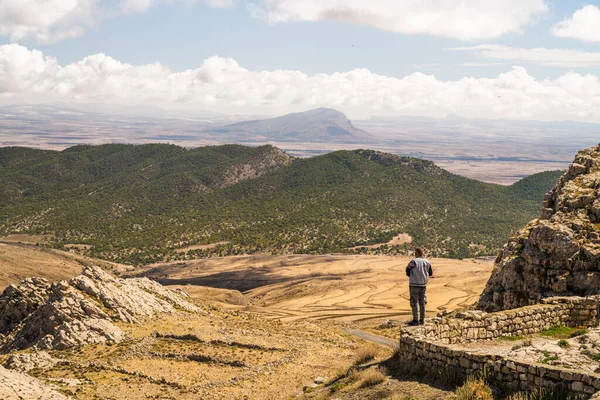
419,252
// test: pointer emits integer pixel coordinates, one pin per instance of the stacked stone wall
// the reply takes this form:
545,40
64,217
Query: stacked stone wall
472,326
430,346
511,375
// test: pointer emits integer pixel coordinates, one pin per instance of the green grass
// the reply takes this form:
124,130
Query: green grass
511,338
564,344
548,356
564,332
579,332
595,357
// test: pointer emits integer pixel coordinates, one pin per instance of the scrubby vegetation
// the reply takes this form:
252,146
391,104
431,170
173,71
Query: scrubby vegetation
474,389
365,354
139,204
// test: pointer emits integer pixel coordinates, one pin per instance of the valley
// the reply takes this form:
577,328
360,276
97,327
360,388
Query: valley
363,290
273,341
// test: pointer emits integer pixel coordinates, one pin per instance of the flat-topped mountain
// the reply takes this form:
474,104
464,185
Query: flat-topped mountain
320,125
140,204
558,253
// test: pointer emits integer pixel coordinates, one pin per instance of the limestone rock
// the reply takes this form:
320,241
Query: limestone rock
66,314
559,253
25,362
17,386
19,301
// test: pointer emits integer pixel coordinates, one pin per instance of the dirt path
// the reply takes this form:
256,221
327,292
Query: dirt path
380,340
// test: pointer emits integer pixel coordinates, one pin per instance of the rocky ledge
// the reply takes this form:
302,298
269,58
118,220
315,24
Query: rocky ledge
42,315
559,253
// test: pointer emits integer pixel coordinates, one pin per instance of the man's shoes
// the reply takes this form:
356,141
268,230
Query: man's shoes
414,322
421,322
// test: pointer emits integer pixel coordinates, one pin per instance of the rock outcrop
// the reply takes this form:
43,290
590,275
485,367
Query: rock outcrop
559,253
25,362
18,386
38,314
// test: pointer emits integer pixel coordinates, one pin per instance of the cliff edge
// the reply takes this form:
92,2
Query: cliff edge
559,253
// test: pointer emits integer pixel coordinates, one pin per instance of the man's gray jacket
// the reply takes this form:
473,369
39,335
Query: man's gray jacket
419,270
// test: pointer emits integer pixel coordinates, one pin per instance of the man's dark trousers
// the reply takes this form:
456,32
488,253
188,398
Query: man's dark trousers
418,298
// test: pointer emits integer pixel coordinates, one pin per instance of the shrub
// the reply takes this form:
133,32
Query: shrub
564,344
474,389
372,376
365,354
449,376
545,393
578,332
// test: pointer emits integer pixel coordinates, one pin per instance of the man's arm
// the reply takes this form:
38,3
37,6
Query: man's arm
410,267
430,270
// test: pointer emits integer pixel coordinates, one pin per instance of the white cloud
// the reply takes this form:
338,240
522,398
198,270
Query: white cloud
43,20
584,24
54,20
567,58
221,84
49,21
143,5
464,20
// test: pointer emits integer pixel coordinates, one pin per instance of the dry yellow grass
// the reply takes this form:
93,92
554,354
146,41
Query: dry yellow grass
22,260
474,389
366,353
372,376
233,355
340,288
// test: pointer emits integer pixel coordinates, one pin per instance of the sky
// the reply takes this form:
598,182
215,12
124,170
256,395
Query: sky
517,59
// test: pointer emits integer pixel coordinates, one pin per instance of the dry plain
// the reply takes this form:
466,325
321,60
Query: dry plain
336,288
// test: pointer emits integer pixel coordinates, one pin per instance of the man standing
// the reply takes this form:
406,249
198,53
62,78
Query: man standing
418,270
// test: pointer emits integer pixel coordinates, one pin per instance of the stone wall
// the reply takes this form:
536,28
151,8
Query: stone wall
478,325
508,374
430,346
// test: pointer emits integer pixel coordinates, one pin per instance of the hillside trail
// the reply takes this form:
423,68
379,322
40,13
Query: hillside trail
380,340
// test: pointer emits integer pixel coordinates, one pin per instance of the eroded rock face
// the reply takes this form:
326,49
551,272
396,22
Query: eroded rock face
559,253
38,314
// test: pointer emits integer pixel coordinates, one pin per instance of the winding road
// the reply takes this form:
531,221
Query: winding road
380,340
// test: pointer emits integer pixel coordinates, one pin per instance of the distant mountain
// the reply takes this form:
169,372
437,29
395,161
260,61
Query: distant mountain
139,204
319,125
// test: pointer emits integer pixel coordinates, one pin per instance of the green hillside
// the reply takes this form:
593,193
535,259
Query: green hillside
139,204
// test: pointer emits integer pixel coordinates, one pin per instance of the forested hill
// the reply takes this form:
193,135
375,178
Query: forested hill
139,204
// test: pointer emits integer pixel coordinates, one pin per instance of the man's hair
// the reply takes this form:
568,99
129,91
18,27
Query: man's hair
419,252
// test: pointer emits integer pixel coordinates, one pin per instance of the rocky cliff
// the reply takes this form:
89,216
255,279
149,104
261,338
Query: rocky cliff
81,311
559,253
